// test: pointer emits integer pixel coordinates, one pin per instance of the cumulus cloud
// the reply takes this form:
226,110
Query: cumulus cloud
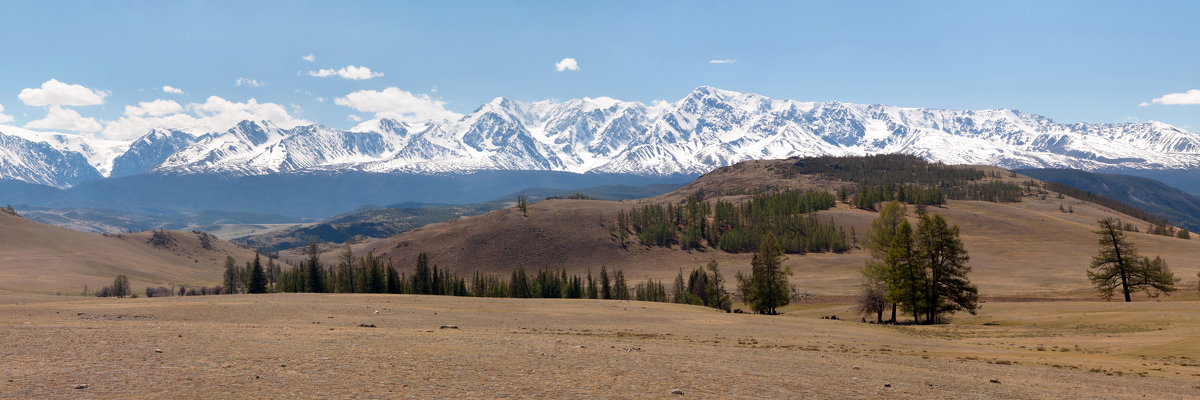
171,89
347,72
214,114
4,118
310,57
156,108
64,119
248,82
567,64
1188,97
55,93
721,61
397,104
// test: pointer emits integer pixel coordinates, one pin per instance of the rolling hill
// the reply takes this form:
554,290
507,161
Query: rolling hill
35,257
1018,249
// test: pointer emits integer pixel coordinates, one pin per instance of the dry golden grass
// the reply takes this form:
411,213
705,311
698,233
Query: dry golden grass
36,257
312,346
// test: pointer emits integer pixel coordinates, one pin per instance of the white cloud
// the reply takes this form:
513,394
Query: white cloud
319,99
156,108
347,72
398,104
310,57
215,114
567,64
354,118
322,73
721,61
1188,97
55,93
171,89
64,119
248,82
4,118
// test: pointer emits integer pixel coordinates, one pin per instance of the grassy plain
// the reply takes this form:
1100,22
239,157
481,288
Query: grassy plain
313,346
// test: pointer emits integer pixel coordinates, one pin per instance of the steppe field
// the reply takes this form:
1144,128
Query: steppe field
398,346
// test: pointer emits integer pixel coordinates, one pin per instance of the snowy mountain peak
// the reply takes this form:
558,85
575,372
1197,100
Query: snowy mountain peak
707,128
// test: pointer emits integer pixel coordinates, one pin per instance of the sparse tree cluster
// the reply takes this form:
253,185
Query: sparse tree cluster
703,287
161,238
523,205
922,272
120,288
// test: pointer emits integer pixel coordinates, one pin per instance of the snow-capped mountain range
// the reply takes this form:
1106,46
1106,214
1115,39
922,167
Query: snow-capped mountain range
706,129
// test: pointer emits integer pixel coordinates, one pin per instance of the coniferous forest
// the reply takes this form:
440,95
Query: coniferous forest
789,215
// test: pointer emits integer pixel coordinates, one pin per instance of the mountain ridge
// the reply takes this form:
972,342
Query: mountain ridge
706,129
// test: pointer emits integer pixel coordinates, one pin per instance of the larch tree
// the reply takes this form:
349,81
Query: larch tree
422,277
1118,266
907,279
316,275
231,281
121,287
620,289
945,259
606,292
766,289
877,271
258,278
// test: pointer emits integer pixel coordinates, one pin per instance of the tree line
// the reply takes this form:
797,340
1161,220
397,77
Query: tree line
736,228
905,178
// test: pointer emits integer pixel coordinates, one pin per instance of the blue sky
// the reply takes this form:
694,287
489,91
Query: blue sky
90,66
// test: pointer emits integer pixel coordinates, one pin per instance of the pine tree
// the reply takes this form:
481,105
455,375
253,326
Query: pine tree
592,292
344,279
717,296
393,279
422,276
519,285
766,289
605,286
622,291
258,278
231,281
273,273
315,274
1118,266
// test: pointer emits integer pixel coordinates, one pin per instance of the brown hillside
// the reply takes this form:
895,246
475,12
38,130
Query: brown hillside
36,257
1017,249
